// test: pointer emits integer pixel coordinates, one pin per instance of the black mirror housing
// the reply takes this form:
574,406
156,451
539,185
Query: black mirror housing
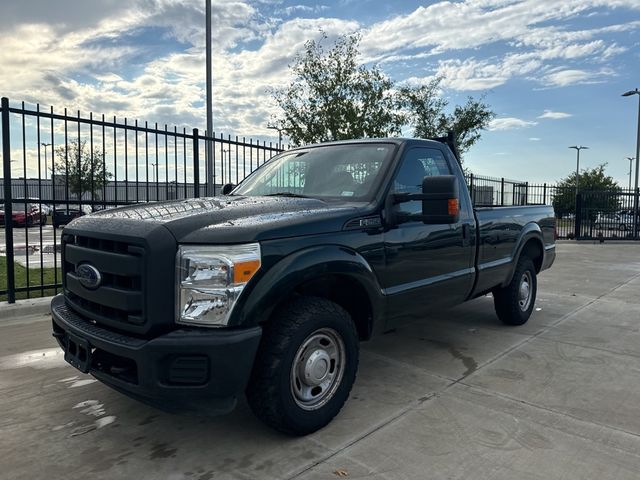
227,188
440,200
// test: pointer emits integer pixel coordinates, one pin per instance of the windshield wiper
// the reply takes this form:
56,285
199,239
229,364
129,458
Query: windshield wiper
287,194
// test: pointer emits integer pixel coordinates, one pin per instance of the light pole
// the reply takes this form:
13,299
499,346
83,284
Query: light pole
631,159
577,149
210,172
635,192
45,145
279,129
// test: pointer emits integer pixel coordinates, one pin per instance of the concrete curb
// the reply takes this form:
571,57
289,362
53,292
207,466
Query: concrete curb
24,308
596,241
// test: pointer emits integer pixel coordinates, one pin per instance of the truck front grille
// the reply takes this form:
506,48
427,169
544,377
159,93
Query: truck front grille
118,300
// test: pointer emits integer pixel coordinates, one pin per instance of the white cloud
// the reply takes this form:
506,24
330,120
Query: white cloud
554,115
73,59
509,123
566,77
534,139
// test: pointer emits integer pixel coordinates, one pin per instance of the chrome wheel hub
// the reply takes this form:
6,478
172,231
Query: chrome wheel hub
524,293
317,369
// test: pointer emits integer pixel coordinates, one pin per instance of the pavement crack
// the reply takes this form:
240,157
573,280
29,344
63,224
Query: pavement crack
552,411
409,408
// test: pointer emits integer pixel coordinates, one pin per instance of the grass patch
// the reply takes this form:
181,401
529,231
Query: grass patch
37,277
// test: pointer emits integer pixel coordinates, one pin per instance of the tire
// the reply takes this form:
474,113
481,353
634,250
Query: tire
288,399
29,222
513,306
43,220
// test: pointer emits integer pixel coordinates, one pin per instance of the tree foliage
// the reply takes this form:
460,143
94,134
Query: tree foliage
84,170
333,97
425,111
590,180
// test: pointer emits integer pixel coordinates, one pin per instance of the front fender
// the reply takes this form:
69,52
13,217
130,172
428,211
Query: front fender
282,278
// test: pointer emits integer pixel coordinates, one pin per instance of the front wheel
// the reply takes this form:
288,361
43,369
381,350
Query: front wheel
305,367
514,303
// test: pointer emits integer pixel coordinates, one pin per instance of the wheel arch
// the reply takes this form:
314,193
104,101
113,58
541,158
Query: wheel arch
531,244
334,272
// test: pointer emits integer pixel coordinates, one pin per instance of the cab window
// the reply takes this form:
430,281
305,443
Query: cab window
418,163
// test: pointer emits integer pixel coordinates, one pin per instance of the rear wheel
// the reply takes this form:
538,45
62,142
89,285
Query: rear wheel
305,367
514,303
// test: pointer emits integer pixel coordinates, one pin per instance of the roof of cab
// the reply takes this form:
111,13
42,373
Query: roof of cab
394,140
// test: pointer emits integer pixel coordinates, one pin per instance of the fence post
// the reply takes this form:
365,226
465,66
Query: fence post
8,214
544,194
473,197
196,164
578,217
502,191
526,193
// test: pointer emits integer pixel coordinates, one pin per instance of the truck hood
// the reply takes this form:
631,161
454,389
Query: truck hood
230,219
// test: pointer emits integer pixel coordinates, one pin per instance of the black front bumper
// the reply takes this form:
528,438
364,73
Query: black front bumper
188,369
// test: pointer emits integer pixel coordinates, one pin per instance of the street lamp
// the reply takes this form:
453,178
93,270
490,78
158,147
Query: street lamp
279,129
45,145
631,159
635,196
577,149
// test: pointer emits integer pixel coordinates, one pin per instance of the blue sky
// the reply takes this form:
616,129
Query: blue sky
552,71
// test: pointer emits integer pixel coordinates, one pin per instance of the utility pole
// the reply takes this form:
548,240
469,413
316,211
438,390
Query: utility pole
209,80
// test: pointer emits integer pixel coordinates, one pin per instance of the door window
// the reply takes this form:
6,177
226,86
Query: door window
417,164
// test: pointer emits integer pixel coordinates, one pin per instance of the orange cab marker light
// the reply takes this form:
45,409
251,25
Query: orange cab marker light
453,207
243,271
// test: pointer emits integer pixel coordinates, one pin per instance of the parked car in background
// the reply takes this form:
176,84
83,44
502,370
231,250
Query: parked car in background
63,214
25,213
46,209
611,221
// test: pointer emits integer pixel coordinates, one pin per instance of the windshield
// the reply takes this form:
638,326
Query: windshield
345,171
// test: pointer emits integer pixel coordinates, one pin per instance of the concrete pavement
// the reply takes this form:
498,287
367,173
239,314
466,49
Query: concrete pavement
453,395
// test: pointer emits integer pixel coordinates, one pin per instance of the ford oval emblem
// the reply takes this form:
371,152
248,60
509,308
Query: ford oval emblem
88,276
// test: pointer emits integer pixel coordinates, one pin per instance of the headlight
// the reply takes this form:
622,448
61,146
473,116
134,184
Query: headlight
210,280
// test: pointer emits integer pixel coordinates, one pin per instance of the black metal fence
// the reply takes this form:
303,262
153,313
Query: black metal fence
57,166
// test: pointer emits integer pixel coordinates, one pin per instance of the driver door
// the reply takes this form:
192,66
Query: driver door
426,265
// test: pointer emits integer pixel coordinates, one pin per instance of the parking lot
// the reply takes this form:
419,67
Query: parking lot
32,244
453,395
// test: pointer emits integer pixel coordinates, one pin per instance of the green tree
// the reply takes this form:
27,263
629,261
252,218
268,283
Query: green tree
84,171
591,180
425,111
333,97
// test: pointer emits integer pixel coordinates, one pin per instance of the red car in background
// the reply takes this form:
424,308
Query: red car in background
24,214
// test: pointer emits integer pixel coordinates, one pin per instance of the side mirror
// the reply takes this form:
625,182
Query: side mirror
227,188
440,200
